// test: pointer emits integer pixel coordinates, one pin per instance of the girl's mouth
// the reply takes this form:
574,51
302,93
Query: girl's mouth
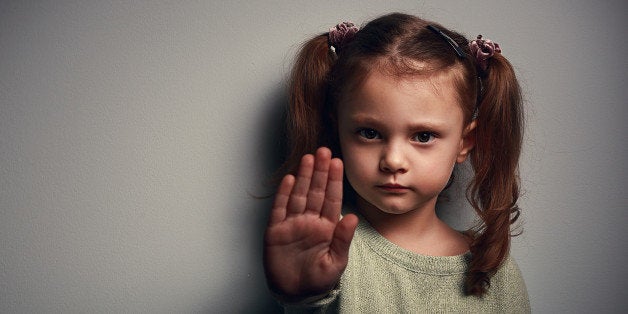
393,188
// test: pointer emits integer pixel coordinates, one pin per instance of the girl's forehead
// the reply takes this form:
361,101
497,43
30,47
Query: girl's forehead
402,71
440,83
384,95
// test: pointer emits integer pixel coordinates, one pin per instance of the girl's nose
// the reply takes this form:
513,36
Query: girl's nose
393,159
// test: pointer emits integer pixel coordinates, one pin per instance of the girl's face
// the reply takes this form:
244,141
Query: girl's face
400,139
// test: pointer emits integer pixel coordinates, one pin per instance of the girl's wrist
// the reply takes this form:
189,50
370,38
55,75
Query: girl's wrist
286,299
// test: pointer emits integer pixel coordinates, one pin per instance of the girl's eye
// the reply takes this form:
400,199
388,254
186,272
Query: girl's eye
369,134
423,137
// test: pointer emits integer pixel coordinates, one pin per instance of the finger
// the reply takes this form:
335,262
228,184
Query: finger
298,197
316,193
342,238
278,213
332,204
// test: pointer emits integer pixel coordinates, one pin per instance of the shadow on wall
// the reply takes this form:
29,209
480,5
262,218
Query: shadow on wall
271,139
246,291
274,149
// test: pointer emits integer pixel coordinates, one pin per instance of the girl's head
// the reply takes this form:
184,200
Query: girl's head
330,90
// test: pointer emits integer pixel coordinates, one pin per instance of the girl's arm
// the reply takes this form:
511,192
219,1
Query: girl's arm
306,245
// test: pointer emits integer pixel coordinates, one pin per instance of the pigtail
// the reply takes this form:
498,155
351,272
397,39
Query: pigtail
306,123
494,190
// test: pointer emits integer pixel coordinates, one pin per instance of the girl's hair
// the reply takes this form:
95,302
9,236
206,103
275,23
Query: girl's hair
402,45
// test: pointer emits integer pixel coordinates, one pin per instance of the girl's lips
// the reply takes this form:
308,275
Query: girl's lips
393,188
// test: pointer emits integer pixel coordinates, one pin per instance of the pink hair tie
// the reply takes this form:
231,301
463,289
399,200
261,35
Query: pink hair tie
341,34
482,50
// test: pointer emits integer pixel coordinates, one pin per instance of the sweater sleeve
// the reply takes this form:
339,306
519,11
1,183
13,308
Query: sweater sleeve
313,305
513,289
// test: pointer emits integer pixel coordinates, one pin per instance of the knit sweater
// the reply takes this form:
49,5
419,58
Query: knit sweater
381,277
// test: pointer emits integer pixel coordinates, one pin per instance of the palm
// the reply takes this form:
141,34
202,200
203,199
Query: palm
306,245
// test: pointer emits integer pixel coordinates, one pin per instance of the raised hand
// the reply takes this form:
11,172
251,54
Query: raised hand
306,245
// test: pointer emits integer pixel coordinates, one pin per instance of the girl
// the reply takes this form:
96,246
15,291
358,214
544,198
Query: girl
399,102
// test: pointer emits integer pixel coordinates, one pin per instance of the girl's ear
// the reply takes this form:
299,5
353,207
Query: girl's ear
467,142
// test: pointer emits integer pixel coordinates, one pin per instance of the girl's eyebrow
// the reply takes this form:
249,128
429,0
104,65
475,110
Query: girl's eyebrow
365,119
362,119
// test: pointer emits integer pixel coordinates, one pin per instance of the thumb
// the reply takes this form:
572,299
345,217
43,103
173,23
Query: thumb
342,237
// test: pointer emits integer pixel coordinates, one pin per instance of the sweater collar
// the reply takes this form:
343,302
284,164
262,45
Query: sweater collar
435,265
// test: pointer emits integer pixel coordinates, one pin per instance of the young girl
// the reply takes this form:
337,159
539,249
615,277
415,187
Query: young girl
397,104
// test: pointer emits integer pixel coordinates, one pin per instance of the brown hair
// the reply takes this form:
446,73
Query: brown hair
395,43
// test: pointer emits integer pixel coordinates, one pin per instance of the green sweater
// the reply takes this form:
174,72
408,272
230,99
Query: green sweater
384,278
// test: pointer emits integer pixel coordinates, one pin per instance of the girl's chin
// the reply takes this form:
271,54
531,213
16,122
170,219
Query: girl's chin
394,211
387,209
390,208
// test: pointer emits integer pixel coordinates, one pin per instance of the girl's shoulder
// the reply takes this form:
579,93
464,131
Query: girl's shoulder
509,270
508,282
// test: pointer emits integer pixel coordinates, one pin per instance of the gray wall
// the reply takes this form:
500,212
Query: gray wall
132,136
